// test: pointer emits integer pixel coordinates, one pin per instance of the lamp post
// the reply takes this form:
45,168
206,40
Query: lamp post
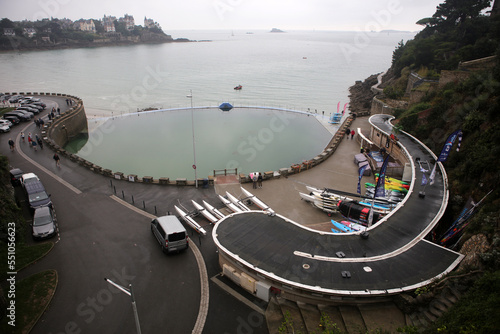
194,146
129,292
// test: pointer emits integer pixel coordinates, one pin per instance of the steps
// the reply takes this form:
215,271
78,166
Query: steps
440,304
300,317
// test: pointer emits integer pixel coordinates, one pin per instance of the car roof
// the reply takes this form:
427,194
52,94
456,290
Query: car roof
41,211
171,224
16,171
29,175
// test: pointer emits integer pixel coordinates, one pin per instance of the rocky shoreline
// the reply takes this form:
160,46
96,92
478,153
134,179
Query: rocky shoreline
361,95
16,46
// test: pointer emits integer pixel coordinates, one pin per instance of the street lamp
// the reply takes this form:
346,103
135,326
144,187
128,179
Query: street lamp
194,149
129,292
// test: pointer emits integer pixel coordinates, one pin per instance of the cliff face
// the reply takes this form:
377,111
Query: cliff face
361,95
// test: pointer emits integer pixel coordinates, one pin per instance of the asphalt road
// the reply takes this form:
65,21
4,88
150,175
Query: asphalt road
101,238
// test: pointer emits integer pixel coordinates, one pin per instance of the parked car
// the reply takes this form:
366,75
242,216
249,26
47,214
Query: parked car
28,109
4,128
170,233
41,104
44,223
35,191
5,122
34,106
27,114
15,176
13,119
15,98
21,116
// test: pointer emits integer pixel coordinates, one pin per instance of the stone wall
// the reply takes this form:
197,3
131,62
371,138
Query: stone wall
71,123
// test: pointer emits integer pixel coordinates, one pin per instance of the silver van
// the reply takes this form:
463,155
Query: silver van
170,233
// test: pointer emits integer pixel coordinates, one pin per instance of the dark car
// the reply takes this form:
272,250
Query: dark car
44,223
21,116
15,176
13,119
34,106
28,109
37,196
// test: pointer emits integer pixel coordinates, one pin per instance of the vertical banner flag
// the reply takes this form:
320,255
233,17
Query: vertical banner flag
433,175
445,152
338,107
361,171
380,187
424,180
345,106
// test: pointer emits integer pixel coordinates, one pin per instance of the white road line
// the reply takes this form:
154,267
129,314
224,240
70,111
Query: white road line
57,178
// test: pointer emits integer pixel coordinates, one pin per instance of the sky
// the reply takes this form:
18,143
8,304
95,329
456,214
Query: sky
347,15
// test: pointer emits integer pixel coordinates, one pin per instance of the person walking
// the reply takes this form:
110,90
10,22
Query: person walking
347,132
57,159
39,141
352,134
33,142
11,145
22,136
259,180
254,180
29,139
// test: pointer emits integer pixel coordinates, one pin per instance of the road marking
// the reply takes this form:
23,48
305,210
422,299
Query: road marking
57,178
204,300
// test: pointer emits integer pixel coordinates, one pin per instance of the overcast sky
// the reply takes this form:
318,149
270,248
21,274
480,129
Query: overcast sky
358,15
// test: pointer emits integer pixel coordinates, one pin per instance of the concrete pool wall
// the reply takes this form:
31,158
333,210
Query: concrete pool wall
73,121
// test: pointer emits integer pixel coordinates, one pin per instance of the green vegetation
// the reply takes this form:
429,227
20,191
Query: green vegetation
60,33
456,33
32,294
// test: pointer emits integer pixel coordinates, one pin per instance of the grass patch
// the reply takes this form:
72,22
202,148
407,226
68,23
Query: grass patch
33,295
4,110
25,255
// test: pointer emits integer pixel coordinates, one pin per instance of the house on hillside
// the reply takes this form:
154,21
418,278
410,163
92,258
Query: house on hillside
85,25
29,32
108,23
128,20
150,23
9,32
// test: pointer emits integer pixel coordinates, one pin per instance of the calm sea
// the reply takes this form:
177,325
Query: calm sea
302,70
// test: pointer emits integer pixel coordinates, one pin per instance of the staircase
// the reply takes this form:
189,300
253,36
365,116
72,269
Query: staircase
438,305
307,318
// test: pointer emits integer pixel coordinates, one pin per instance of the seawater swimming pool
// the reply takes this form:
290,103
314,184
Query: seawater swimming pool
160,143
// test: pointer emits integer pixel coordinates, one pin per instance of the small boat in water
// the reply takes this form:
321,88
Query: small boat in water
239,87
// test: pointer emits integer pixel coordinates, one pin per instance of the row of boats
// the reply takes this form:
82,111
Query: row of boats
213,215
357,212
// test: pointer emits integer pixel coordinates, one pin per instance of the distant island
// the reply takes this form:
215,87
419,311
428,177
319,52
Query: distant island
276,30
49,34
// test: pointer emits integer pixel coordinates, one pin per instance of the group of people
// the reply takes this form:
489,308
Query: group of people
33,141
349,132
257,180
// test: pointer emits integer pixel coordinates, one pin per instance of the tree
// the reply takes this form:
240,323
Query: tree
456,12
6,23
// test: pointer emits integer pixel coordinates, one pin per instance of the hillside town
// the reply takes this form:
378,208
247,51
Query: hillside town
62,33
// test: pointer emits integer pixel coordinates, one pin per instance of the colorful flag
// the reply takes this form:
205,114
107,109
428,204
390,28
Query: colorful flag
338,107
445,152
433,175
361,171
424,179
380,187
345,106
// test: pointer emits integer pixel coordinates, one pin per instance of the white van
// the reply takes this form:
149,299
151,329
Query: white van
170,233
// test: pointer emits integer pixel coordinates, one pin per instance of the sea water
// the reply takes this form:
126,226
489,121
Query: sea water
308,71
